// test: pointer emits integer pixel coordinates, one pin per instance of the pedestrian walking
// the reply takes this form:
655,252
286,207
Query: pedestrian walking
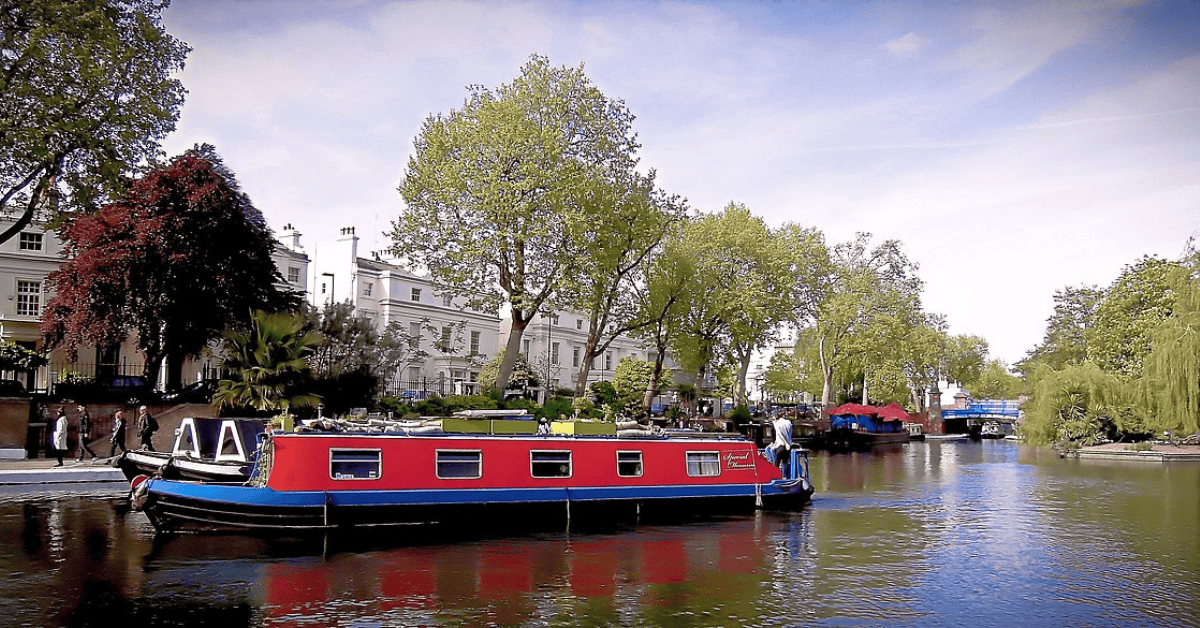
85,433
60,436
147,426
118,433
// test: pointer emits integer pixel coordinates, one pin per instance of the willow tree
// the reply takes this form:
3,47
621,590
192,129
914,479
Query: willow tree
1170,386
493,190
87,91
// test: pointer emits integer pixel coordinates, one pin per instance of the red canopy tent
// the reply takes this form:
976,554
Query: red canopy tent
890,412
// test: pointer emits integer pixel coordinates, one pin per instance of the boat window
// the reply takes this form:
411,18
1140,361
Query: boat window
459,464
354,464
550,464
701,463
629,464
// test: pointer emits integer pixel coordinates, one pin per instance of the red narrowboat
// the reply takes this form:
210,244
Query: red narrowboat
324,481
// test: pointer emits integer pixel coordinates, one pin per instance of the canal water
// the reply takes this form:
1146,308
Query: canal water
924,534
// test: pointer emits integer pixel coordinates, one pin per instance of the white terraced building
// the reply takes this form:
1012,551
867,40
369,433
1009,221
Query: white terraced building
25,262
450,341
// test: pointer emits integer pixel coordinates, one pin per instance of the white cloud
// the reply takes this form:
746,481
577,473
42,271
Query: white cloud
907,46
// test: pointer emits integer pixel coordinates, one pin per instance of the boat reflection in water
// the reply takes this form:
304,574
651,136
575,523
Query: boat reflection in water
493,581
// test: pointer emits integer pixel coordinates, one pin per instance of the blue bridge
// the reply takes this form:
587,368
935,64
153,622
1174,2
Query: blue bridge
1006,410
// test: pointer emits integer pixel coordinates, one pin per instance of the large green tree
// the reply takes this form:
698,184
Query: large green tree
1141,298
179,259
624,224
749,281
866,301
1065,341
87,91
995,382
493,190
662,300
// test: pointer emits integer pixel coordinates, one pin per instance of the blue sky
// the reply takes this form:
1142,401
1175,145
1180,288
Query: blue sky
1013,147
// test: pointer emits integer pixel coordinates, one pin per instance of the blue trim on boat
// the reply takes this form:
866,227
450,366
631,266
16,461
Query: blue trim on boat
260,496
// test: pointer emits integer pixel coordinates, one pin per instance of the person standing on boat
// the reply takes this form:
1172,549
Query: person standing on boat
85,433
60,436
118,434
543,427
781,447
147,426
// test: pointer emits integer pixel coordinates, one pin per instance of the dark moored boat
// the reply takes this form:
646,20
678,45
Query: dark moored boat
208,450
315,481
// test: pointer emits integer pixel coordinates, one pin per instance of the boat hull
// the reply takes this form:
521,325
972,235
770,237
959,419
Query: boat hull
175,507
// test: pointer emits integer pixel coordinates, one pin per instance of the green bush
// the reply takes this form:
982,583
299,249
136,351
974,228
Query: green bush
456,403
521,404
556,407
432,406
740,415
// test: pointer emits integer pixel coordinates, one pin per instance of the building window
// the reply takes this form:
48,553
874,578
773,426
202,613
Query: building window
629,464
354,464
554,353
525,345
294,275
29,298
554,320
703,463
463,465
447,300
416,294
367,288
414,335
31,241
579,323
444,341
322,287
608,360
575,357
475,343
550,464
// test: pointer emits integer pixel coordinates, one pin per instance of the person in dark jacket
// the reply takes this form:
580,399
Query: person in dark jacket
118,433
147,426
85,433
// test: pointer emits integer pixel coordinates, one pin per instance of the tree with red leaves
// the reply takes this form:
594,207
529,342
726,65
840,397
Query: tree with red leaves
182,257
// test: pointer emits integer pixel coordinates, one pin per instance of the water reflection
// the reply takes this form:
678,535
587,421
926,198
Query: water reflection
932,534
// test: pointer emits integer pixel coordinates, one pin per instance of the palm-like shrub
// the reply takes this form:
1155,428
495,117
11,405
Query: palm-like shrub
266,365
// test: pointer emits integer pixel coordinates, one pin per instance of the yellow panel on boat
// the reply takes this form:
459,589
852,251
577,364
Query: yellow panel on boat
583,428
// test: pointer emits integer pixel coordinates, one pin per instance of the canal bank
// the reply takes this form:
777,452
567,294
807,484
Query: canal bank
1125,451
45,471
